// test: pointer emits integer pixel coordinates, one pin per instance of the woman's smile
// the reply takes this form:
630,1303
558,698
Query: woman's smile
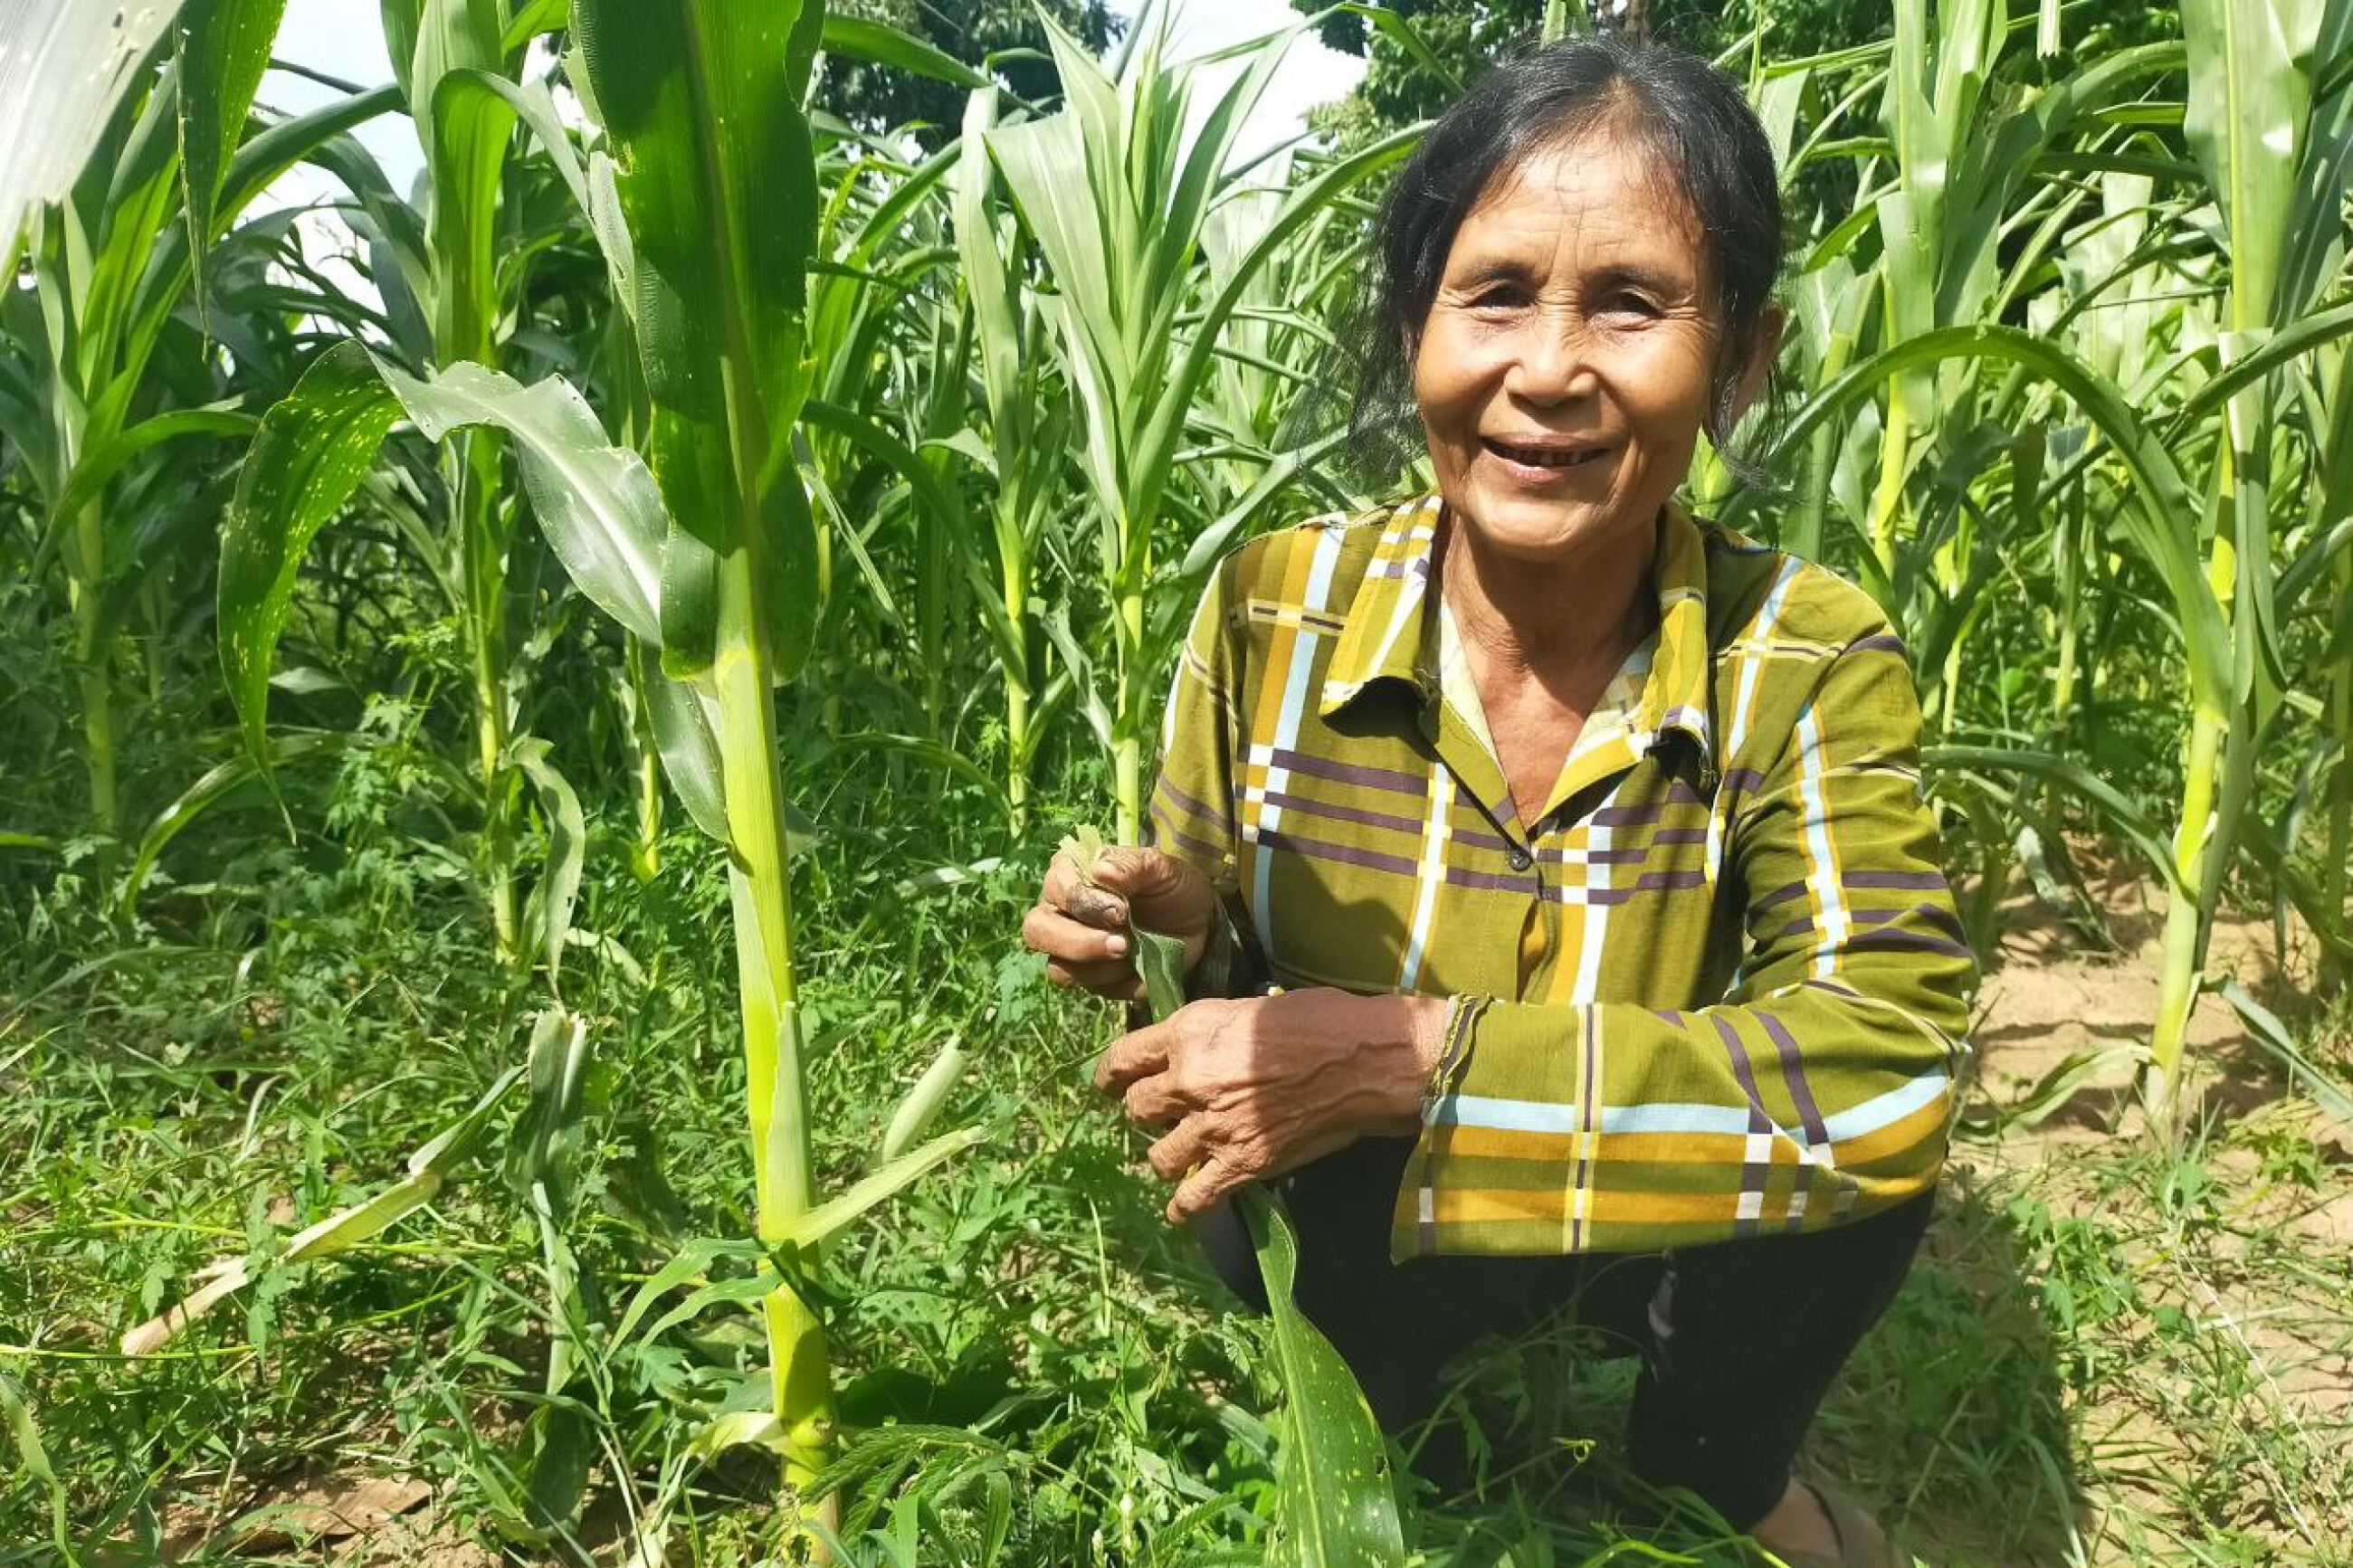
1537,462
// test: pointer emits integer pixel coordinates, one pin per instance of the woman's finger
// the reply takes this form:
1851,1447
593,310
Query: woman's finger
1056,935
1066,892
1139,1054
1116,981
1127,868
1157,1101
1185,1146
1199,1192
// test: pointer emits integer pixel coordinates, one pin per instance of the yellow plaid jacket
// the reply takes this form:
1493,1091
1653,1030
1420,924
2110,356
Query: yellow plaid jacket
1718,990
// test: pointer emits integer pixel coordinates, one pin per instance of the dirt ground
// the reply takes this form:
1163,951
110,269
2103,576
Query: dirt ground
2264,1271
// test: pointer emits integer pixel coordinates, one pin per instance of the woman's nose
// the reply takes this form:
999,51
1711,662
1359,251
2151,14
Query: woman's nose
1551,364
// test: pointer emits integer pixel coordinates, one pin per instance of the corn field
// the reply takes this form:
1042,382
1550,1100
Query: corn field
523,740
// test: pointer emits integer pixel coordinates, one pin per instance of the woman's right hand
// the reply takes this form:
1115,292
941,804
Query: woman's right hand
1082,929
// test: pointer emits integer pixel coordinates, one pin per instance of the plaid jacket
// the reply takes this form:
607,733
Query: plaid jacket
1719,991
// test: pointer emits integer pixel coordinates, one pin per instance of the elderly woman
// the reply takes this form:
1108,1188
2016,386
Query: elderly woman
1565,922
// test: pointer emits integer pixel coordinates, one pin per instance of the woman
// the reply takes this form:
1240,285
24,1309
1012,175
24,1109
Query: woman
1581,840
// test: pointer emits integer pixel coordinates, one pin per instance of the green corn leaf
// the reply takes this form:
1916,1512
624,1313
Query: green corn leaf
529,102
1336,1507
739,1430
808,1230
567,849
739,1292
66,65
691,1261
429,1168
100,464
216,785
2072,775
466,132
311,452
539,1147
717,185
2162,520
860,38
595,503
1160,960
2250,91
33,1457
2331,1094
812,1227
685,735
533,18
224,48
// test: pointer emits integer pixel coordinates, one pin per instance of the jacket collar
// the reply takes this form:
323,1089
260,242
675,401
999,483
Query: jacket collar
1389,635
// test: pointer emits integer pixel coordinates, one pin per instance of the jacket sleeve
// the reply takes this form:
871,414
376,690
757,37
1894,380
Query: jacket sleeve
1816,1091
1192,807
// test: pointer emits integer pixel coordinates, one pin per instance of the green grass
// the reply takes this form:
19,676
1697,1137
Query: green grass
2117,1355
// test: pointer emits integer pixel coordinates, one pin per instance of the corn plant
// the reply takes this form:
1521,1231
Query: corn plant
1024,413
454,59
1116,201
113,260
2274,161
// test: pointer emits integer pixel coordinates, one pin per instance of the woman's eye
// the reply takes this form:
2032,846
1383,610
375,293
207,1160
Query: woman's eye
1628,304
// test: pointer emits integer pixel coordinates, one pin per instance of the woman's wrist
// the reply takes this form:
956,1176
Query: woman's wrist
1413,1029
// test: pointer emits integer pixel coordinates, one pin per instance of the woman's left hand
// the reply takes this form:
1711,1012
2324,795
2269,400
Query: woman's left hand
1248,1090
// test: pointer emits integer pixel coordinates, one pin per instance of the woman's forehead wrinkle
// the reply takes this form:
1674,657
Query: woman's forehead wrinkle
1563,220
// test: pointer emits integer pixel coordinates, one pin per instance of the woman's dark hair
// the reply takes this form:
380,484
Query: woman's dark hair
1715,156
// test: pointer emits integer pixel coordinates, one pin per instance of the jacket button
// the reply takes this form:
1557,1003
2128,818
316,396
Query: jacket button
1518,859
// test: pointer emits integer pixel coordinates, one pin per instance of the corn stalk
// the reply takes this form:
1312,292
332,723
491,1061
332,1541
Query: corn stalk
700,101
465,126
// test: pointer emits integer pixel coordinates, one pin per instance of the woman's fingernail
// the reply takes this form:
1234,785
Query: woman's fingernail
1116,946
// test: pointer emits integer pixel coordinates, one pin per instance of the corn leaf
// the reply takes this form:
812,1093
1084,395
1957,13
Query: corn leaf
64,67
1336,1507
2161,522
685,736
216,785
862,38
923,1103
311,452
224,48
596,502
814,1226
717,183
428,1169
567,849
2277,1039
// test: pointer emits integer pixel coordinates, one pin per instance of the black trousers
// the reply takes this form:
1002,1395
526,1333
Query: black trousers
1739,1340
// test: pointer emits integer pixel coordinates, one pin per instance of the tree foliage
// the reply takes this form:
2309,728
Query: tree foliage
879,98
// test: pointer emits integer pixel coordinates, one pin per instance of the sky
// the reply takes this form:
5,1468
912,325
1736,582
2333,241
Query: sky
344,38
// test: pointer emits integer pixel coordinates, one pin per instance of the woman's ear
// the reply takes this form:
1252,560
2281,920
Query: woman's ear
1763,348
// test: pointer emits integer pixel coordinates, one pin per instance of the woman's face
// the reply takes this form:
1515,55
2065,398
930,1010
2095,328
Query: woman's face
1563,371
